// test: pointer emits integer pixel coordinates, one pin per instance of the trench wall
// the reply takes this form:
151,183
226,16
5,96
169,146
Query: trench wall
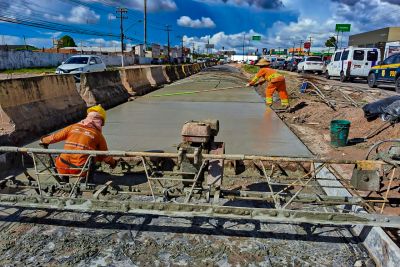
30,107
105,88
137,81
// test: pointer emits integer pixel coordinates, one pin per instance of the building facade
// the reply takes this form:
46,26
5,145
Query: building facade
385,39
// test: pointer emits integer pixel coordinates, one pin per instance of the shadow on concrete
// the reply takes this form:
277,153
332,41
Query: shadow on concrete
215,227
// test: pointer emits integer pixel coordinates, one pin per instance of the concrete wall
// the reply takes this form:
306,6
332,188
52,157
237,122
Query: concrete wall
33,106
28,59
179,71
138,81
30,107
105,88
171,73
158,76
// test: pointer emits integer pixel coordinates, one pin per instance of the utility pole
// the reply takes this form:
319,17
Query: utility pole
168,30
145,24
301,44
122,11
26,47
294,45
244,37
309,49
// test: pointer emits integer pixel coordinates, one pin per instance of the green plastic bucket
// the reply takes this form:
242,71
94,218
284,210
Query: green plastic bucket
339,132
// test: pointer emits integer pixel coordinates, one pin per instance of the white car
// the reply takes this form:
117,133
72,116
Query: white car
81,64
352,62
311,64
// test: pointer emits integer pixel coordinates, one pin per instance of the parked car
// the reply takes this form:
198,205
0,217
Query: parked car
311,64
81,64
292,64
278,63
387,71
352,62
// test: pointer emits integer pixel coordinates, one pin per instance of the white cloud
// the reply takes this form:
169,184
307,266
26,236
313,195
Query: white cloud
16,40
262,4
81,14
78,15
152,5
318,19
228,41
204,22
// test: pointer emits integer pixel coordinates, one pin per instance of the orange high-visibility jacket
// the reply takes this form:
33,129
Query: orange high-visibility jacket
79,137
270,75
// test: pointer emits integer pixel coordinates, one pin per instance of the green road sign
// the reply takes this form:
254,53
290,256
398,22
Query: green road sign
343,27
256,38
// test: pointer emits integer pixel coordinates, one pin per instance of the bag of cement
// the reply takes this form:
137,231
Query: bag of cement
374,110
392,112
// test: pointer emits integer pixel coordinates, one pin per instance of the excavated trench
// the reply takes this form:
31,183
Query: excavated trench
153,122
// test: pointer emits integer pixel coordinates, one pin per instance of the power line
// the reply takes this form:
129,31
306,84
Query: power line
52,26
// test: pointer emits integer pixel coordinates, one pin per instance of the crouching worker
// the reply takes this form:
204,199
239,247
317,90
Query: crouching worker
85,135
276,82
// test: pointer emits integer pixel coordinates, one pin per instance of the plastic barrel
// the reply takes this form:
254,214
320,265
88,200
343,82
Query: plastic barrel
339,132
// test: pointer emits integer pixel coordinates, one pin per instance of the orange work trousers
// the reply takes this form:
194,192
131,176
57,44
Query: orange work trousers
64,168
277,84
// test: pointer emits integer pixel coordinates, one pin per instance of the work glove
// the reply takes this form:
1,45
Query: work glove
42,144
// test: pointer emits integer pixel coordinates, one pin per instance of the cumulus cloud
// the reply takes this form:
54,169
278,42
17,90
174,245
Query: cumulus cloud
228,41
264,4
78,15
16,40
354,2
152,5
204,22
363,15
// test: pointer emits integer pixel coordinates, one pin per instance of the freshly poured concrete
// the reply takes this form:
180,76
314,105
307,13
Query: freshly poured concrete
246,126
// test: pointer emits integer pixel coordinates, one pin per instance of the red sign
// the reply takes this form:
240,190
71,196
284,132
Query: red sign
307,45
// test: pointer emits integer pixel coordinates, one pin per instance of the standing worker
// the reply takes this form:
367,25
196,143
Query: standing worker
85,135
275,81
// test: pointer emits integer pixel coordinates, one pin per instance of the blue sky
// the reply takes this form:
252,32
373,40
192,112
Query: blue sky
281,23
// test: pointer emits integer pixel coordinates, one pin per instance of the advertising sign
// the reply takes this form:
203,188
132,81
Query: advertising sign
343,27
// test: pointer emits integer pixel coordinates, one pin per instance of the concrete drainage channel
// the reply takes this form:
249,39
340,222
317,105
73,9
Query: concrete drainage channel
218,217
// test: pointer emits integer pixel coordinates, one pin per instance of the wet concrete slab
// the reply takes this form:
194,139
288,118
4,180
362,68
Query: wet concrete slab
247,126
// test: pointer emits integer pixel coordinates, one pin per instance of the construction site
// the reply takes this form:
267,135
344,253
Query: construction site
207,174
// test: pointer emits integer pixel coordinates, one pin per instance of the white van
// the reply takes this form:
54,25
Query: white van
352,62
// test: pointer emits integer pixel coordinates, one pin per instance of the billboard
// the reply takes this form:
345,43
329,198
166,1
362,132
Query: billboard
307,45
208,46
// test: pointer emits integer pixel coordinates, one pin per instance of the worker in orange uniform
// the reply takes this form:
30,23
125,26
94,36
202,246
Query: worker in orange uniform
276,82
85,135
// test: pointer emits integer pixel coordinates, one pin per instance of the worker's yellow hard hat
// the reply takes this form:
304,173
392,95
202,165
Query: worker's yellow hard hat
99,109
263,62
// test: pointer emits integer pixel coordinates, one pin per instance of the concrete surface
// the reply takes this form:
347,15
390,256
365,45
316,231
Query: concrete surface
45,238
247,127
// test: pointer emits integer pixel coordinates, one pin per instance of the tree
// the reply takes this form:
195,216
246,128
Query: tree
331,42
66,41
